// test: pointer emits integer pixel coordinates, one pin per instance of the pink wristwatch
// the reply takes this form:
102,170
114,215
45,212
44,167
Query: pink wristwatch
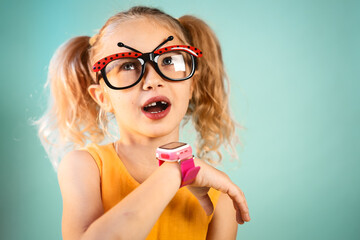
181,153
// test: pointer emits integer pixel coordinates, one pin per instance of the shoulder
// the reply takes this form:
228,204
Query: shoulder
88,157
77,170
79,182
76,160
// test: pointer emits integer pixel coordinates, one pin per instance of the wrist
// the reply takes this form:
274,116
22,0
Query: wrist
181,153
174,170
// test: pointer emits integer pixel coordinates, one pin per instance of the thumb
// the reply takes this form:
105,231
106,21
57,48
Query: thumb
206,204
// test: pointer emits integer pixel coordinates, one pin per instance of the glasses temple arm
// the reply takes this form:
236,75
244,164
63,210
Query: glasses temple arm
120,44
170,38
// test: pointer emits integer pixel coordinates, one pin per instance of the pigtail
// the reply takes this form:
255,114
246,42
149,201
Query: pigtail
209,105
72,115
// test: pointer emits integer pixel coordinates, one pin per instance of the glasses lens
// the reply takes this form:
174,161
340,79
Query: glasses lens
123,72
176,65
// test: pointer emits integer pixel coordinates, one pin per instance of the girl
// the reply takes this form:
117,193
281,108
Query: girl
150,71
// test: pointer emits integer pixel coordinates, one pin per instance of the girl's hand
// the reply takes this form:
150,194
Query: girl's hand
209,176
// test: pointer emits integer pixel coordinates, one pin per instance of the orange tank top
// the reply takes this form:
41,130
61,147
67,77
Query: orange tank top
183,218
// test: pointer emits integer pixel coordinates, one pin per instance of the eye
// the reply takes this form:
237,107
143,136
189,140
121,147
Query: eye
167,61
128,66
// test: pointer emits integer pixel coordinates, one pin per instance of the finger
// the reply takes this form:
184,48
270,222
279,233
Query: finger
244,198
238,218
238,214
245,204
240,201
206,204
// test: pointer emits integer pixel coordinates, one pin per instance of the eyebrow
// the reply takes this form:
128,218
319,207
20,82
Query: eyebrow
104,61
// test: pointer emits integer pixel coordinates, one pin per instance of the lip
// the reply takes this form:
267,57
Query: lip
156,116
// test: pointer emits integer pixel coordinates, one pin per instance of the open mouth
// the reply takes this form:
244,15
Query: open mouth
156,107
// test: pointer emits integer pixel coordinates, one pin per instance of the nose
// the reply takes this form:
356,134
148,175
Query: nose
151,78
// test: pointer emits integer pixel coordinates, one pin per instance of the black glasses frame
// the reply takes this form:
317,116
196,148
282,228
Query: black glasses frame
151,57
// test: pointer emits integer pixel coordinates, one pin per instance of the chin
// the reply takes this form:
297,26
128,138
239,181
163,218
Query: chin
158,134
161,131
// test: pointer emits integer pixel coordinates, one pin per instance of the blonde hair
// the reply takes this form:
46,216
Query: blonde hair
73,118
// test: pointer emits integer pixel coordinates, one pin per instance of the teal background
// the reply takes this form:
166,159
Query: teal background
294,70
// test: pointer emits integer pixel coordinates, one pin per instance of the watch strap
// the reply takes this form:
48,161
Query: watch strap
188,171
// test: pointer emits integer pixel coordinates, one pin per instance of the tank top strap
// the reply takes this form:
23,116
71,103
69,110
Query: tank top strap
115,181
95,151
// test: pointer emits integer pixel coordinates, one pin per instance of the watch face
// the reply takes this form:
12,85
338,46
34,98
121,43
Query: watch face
172,145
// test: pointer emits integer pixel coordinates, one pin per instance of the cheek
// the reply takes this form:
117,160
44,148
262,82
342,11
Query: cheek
185,94
190,89
122,104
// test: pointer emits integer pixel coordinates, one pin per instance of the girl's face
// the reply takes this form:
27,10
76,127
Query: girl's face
129,105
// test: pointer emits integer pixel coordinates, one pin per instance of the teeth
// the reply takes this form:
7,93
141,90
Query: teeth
154,104
151,104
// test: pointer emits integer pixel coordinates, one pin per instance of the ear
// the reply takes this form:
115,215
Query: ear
98,93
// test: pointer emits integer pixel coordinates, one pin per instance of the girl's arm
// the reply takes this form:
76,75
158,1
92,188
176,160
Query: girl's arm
223,224
211,177
132,218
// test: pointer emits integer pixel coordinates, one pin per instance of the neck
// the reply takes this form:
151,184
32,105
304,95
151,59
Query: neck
138,153
140,150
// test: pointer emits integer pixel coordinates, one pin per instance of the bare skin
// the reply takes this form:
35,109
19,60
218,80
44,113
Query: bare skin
144,205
